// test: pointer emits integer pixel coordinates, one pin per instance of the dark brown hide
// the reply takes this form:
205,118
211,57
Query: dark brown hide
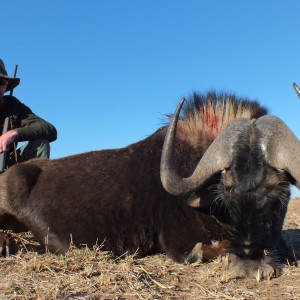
110,196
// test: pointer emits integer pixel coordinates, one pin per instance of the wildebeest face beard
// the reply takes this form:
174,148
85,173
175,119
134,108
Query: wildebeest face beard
252,227
257,219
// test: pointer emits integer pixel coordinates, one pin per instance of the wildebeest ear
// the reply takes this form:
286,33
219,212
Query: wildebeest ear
193,201
199,199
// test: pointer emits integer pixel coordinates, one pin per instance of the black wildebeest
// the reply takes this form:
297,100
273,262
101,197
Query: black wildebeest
237,195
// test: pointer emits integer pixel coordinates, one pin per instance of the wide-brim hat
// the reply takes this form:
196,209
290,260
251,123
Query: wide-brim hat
12,81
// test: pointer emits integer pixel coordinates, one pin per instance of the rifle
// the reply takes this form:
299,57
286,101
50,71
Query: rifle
6,127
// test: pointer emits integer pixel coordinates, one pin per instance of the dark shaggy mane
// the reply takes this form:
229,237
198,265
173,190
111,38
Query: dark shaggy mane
197,101
204,116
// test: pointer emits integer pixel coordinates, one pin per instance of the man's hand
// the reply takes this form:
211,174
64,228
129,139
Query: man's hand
7,139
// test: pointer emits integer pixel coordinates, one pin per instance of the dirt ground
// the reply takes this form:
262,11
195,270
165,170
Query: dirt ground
94,274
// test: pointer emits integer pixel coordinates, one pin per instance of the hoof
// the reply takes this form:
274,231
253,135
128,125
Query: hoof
196,254
258,269
7,245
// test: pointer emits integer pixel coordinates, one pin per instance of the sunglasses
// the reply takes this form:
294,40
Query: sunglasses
3,82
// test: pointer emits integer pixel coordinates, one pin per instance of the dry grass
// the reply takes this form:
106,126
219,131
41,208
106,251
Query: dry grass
94,274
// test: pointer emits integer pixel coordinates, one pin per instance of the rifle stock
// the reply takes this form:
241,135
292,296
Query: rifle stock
3,154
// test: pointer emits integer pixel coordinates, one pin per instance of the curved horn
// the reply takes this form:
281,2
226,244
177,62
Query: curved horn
297,89
280,146
216,158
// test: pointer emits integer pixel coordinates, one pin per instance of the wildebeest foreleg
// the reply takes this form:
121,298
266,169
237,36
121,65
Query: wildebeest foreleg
8,245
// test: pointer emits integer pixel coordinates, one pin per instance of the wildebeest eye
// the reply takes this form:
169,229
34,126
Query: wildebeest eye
271,206
268,225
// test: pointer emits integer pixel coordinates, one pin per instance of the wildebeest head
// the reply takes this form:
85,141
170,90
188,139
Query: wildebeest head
257,159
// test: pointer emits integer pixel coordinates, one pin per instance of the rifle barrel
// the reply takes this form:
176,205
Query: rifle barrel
15,75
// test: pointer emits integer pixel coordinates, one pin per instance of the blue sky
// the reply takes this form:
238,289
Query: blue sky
105,72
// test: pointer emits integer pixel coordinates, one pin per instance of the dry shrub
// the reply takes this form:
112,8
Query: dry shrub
95,274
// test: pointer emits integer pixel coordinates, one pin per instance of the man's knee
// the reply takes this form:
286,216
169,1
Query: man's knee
35,148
